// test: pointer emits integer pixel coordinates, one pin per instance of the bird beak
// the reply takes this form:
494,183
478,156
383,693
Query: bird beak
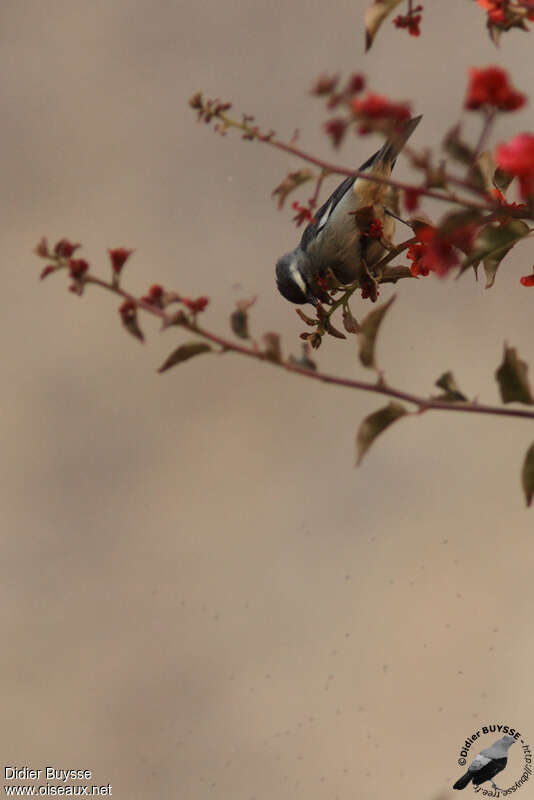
319,297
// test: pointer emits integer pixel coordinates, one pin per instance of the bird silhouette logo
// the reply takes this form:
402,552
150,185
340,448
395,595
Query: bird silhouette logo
487,764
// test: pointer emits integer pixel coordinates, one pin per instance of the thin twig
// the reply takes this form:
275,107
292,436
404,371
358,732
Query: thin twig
380,387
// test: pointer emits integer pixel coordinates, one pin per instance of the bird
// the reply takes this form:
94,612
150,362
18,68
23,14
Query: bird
487,764
334,239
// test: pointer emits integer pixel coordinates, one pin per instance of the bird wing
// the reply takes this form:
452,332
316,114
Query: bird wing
323,214
492,768
478,763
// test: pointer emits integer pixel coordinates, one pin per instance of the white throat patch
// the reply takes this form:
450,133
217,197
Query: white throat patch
298,279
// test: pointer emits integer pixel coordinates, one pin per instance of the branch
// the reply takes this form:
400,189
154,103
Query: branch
378,387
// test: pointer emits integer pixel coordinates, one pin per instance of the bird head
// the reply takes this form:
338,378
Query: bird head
295,279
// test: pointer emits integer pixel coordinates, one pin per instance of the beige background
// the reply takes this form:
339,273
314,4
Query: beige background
200,596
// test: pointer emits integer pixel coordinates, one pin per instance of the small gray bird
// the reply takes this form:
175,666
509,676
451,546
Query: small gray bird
487,764
334,239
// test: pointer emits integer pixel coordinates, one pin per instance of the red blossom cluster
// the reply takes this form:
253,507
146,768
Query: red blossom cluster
328,86
436,251
528,280
410,21
157,296
371,112
374,109
304,213
118,257
490,88
505,13
411,198
376,230
517,158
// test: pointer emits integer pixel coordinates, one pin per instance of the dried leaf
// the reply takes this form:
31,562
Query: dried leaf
239,323
132,326
452,394
272,347
512,378
484,171
305,362
290,183
373,425
494,33
239,318
502,179
491,265
305,318
456,147
492,244
350,323
527,474
374,16
329,328
368,332
183,353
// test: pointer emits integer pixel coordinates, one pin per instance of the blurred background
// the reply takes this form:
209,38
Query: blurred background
200,596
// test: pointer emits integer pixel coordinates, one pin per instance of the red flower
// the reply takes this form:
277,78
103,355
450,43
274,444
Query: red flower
304,214
375,108
416,254
369,289
199,304
42,248
356,83
376,231
154,296
491,87
411,199
64,248
501,13
410,21
118,258
47,271
496,12
127,310
325,84
528,280
78,267
435,252
517,158
336,129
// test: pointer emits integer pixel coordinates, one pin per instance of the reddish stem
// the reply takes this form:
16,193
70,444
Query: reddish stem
422,403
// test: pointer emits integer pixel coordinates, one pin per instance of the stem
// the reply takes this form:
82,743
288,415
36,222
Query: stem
380,387
325,166
489,118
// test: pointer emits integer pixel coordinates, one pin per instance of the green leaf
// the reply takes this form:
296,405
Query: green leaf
373,425
512,378
369,331
452,394
374,16
492,244
184,353
527,474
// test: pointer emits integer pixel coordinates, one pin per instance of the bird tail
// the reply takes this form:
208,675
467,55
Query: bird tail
391,148
462,782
